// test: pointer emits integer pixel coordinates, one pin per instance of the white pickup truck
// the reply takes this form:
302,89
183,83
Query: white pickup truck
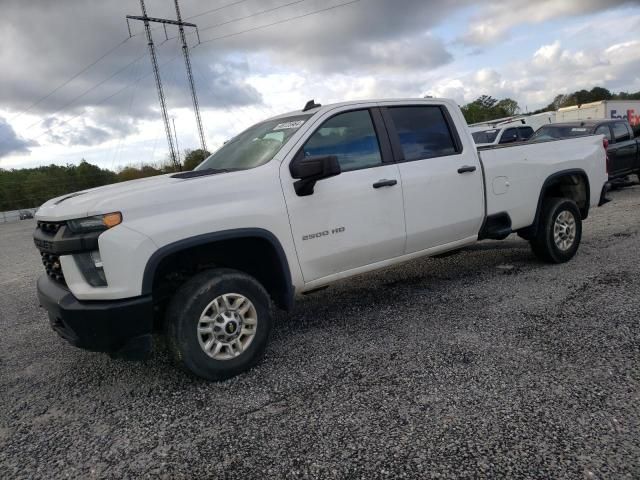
289,206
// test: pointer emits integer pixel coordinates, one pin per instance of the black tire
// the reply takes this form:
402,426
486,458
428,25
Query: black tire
543,243
191,301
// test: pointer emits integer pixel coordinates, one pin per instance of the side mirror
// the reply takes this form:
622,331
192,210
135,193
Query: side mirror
308,170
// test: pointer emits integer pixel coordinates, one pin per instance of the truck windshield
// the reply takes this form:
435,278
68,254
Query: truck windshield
555,132
486,136
255,146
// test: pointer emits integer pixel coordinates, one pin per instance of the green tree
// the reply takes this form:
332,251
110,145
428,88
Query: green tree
600,93
508,107
193,158
133,173
486,108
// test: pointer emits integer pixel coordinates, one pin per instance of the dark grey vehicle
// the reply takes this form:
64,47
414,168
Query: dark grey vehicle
25,214
623,149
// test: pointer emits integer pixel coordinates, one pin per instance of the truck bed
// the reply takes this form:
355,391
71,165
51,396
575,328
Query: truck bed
515,173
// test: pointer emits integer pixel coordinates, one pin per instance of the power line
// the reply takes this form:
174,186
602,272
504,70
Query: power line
117,92
217,9
259,27
245,17
72,78
86,92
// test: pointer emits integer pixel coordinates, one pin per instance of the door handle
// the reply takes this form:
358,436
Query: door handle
385,183
467,169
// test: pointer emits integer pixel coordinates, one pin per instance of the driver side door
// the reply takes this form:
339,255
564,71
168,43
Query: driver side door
353,219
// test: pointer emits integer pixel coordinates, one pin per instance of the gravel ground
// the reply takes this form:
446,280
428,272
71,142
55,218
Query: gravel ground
483,364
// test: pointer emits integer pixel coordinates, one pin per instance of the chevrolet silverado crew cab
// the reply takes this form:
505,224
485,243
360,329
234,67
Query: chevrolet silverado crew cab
291,205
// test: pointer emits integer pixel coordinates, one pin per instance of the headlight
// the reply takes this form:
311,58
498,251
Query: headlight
90,264
95,223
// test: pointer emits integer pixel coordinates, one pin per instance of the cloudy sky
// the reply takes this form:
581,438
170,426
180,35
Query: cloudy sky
108,112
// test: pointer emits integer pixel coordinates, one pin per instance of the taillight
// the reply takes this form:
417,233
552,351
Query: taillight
605,143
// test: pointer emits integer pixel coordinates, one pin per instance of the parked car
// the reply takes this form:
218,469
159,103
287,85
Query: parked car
291,205
25,214
501,135
623,149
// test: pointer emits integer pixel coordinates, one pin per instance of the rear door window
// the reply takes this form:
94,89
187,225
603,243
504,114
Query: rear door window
620,132
423,132
631,135
485,136
525,133
509,135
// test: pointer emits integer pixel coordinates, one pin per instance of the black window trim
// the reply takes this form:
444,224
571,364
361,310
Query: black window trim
379,128
396,146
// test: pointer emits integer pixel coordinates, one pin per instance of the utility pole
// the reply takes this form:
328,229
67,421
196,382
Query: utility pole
187,62
175,134
156,71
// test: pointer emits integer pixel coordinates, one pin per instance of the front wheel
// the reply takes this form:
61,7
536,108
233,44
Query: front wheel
560,231
218,323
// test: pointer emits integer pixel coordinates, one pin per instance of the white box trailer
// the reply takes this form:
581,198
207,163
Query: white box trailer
605,109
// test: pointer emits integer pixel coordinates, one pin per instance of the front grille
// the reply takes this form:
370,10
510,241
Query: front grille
51,261
52,266
50,227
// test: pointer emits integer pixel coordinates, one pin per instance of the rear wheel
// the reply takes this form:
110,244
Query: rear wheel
218,324
560,231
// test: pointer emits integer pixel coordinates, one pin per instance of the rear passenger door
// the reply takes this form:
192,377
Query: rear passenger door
441,181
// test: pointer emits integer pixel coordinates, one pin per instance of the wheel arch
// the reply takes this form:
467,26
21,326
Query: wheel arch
575,181
262,257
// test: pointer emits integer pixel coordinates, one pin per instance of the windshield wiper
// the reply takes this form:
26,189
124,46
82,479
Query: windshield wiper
203,172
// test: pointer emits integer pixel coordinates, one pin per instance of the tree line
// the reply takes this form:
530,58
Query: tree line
487,108
30,187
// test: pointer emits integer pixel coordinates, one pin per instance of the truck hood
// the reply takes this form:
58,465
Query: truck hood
116,197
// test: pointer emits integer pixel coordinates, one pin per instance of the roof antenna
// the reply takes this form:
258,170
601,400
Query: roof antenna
311,104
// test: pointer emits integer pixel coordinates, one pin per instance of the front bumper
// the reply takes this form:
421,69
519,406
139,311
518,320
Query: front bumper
122,328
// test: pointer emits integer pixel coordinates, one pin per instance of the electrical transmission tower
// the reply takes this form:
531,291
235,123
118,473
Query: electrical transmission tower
187,62
156,71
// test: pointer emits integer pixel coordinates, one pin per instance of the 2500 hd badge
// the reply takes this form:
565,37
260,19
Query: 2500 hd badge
324,233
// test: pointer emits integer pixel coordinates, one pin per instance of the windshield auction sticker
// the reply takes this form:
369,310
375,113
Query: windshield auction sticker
289,125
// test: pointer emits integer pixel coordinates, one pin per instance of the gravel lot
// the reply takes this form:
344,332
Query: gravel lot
483,364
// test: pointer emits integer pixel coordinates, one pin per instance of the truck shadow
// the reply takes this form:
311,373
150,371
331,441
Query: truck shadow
389,287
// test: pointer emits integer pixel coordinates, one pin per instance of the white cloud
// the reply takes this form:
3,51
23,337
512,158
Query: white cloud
497,18
371,49
11,143
552,69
